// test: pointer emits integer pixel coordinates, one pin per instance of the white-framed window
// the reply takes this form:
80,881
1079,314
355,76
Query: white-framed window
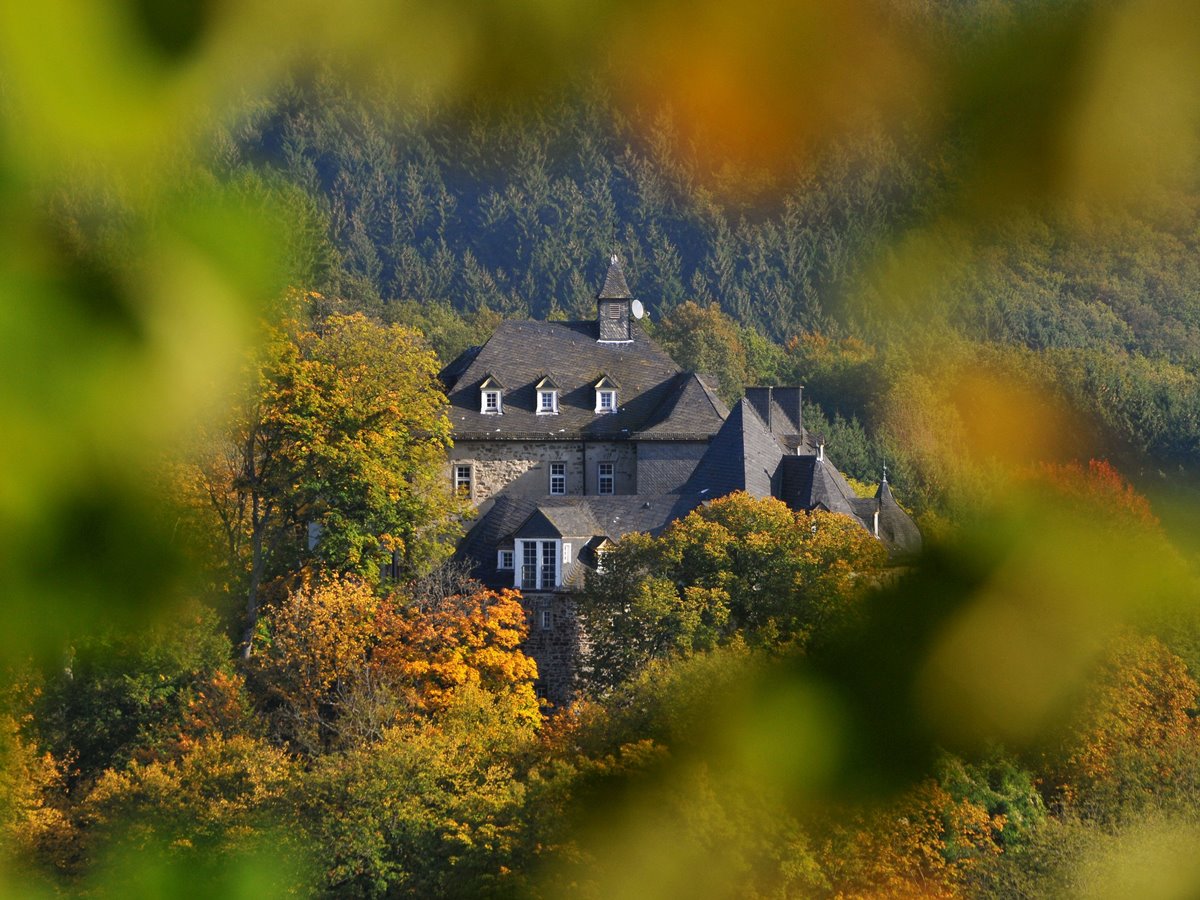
606,400
504,560
547,403
558,478
463,480
566,553
491,404
545,620
539,566
605,481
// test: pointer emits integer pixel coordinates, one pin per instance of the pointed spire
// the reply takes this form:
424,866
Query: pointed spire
885,489
615,286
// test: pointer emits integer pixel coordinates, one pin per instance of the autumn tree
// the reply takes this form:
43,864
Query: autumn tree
148,694
431,809
1135,739
925,843
704,339
332,459
311,656
430,652
737,566
336,664
1098,490
220,798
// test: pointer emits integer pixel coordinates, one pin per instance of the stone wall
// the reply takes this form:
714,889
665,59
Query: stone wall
518,468
555,649
522,468
623,456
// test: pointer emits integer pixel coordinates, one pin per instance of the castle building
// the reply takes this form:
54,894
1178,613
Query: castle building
569,435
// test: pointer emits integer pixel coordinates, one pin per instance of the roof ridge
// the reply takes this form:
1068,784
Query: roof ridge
715,402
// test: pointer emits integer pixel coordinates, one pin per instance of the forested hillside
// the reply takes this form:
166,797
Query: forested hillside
448,219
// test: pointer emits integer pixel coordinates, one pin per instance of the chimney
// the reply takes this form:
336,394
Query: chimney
820,449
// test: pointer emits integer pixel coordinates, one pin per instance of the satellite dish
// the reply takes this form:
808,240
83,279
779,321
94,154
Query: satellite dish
636,307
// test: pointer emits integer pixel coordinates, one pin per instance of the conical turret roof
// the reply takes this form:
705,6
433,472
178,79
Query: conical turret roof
615,286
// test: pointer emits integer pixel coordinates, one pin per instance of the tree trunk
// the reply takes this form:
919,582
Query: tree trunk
256,567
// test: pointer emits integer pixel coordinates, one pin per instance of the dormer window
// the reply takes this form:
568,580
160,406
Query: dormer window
547,397
491,400
606,395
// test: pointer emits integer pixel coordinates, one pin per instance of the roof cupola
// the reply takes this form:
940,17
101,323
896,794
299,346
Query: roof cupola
614,305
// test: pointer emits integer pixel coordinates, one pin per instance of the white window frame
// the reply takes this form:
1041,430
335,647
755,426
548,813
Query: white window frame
495,395
539,555
545,619
505,560
552,409
609,476
558,478
603,394
469,482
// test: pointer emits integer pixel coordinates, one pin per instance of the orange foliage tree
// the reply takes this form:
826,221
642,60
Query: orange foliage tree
1098,487
336,664
430,652
1136,737
311,655
924,844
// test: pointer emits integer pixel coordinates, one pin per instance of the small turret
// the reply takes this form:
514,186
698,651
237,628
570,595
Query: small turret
613,305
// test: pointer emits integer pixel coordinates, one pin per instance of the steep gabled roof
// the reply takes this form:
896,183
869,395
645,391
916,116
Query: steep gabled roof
690,407
573,520
831,489
810,482
743,456
519,354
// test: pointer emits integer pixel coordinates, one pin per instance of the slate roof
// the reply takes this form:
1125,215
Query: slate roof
454,371
690,407
743,456
615,286
895,525
831,490
519,354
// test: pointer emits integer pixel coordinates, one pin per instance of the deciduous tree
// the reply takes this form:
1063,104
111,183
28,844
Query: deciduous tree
333,459
737,566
